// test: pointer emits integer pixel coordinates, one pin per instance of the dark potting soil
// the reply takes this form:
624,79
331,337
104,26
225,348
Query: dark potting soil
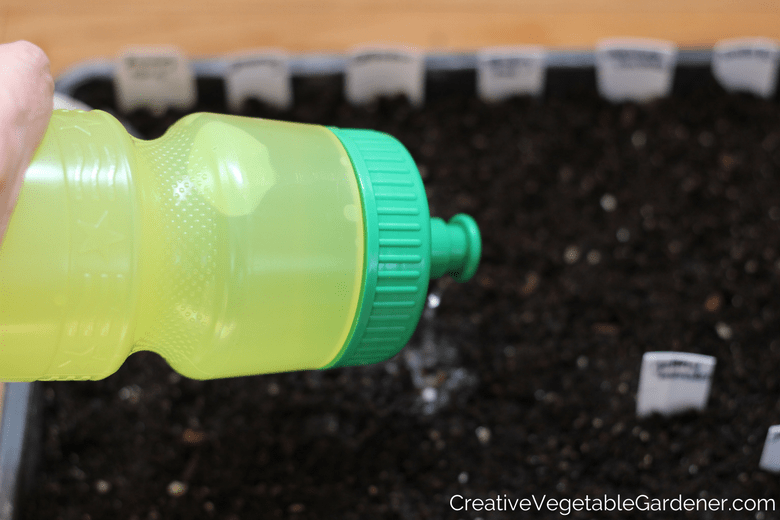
609,231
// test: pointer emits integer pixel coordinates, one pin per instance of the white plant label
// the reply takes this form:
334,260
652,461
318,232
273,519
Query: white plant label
264,76
156,78
635,69
770,458
748,65
674,382
503,72
376,72
65,102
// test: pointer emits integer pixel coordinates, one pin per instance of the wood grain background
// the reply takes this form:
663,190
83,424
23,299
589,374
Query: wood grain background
71,31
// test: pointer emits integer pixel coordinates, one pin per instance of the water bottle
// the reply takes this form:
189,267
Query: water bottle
230,246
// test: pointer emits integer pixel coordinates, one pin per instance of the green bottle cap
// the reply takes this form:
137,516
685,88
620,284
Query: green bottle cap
405,248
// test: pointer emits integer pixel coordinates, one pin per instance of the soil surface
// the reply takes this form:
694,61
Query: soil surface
609,231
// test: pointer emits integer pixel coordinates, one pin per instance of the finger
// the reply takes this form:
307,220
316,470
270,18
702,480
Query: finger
26,90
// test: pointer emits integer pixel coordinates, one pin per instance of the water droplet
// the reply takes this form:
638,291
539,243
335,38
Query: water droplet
429,394
724,331
102,486
608,202
177,488
483,434
623,235
571,255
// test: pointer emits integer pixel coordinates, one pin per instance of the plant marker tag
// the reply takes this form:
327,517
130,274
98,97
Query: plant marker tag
673,382
385,71
635,69
65,102
264,76
746,64
157,78
770,458
503,72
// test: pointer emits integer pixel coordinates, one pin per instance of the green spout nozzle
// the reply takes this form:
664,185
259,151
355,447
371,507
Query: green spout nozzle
455,247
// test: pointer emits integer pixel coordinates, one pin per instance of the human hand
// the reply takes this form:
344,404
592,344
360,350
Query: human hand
26,90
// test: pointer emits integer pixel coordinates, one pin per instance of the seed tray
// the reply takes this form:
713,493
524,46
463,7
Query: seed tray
609,230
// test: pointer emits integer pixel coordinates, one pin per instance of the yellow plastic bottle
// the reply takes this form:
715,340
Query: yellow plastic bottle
231,246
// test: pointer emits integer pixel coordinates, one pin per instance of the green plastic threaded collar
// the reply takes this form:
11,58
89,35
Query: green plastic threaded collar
404,247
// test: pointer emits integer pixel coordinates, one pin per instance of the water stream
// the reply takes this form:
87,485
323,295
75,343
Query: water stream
434,363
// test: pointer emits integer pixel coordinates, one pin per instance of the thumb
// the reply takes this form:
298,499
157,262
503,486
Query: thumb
26,90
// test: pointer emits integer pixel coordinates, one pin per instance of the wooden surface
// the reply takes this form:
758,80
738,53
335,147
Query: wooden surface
71,31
